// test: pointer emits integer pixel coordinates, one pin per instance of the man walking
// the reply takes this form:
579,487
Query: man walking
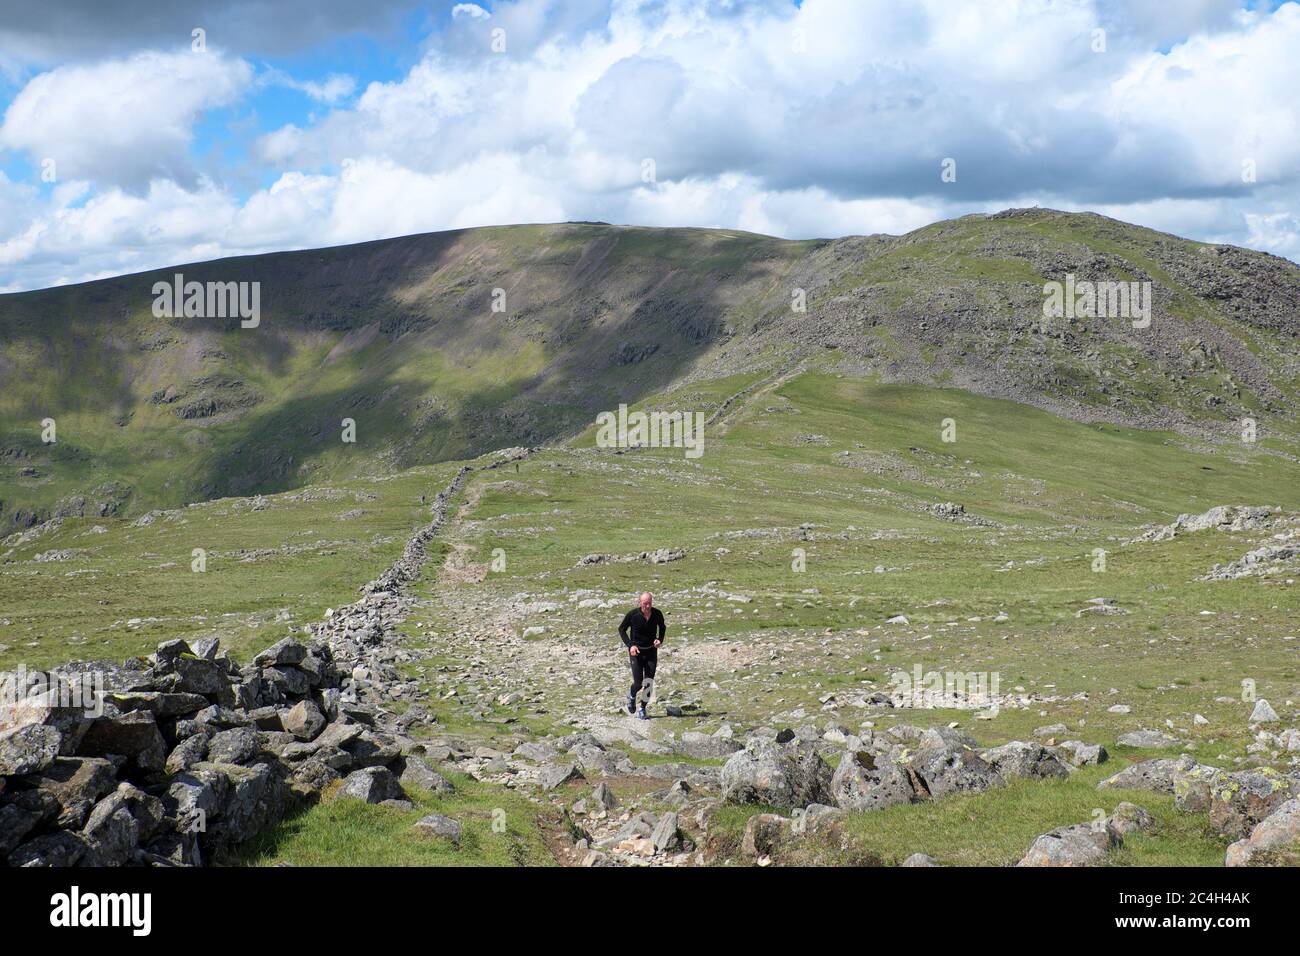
642,632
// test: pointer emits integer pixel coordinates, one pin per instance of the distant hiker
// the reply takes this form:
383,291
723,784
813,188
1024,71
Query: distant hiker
642,632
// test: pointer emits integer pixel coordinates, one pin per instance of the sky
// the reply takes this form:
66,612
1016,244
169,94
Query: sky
139,134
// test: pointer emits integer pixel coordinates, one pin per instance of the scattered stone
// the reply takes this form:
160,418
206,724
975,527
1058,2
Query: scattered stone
416,772
304,720
665,836
437,825
371,785
1148,740
1158,775
1080,754
75,783
763,833
28,749
866,781
703,746
1029,760
1129,818
238,745
604,796
556,775
287,652
1263,713
1083,844
1101,606
134,735
1243,798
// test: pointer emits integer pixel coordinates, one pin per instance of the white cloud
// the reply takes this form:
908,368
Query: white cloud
471,10
819,120
122,122
335,87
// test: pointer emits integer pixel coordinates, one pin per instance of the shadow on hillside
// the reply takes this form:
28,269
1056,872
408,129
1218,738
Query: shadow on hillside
620,315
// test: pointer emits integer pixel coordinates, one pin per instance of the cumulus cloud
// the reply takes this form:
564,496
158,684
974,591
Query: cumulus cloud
821,119
124,122
850,97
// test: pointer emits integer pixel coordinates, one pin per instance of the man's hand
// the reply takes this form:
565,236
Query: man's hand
632,650
657,643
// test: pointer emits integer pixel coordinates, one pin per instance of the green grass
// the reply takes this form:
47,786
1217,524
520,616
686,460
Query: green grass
1055,489
82,607
1059,489
996,827
499,828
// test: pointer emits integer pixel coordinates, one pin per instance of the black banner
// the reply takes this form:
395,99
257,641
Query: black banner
140,908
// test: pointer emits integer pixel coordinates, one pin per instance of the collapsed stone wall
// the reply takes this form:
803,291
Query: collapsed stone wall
194,754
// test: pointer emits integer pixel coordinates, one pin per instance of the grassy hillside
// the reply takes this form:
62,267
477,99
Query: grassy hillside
918,443
400,336
94,588
845,469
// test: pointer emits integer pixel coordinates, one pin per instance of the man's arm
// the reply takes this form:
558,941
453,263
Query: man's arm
663,628
624,628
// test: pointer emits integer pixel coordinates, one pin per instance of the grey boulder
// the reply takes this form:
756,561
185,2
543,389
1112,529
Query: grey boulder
1083,844
371,785
868,781
1030,761
304,720
437,825
787,775
28,749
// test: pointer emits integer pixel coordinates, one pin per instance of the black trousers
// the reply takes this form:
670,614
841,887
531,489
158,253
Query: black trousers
643,666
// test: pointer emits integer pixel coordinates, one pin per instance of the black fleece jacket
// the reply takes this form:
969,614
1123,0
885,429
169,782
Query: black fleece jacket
642,631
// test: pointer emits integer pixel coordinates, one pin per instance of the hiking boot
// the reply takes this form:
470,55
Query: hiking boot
631,706
642,715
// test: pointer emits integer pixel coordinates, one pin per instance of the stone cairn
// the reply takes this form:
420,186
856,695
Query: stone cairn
194,754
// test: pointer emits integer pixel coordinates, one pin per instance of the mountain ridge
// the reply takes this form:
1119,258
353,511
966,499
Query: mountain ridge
399,335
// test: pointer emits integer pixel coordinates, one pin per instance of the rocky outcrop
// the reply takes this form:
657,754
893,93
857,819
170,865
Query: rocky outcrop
1222,518
1281,555
1236,801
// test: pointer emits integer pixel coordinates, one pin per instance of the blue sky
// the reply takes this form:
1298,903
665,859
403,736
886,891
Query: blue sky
303,123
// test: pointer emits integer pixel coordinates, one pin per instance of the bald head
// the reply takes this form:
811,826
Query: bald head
646,601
